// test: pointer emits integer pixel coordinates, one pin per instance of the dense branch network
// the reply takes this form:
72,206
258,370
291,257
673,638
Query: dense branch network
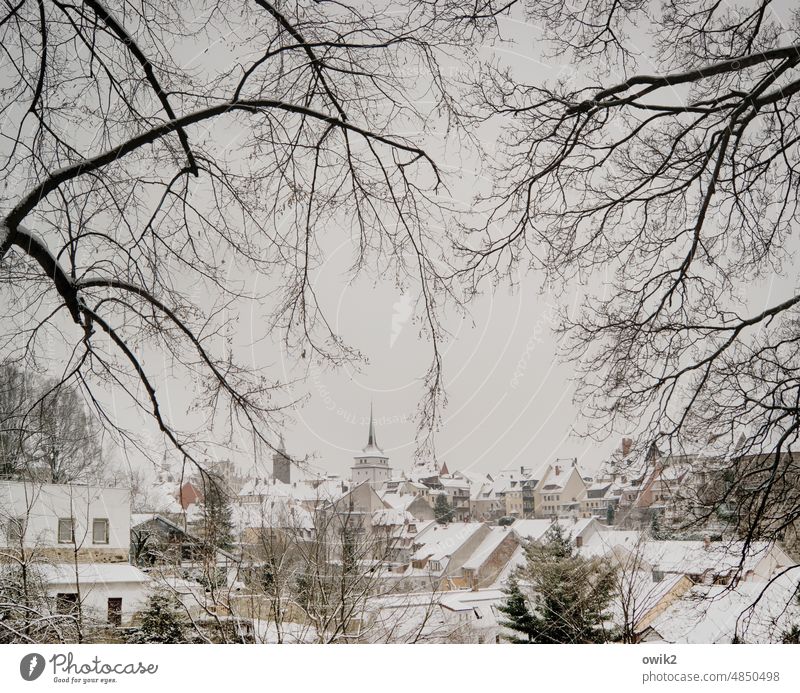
145,187
675,191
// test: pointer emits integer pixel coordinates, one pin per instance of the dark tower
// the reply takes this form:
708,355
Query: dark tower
281,465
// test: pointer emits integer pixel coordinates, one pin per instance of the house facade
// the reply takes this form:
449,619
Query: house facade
75,540
66,522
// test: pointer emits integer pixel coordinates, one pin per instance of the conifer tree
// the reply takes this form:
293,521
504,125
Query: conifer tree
442,510
518,617
161,622
217,518
565,594
655,527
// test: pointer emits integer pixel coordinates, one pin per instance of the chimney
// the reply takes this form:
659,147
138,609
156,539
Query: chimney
627,446
706,542
558,470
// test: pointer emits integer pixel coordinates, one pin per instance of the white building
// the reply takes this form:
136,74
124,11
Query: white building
76,540
62,520
109,592
371,465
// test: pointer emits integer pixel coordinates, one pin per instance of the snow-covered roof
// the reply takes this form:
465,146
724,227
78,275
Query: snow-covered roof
434,616
163,497
447,482
425,470
517,560
272,512
91,573
642,594
392,517
138,519
467,600
439,541
507,481
267,631
486,548
307,491
604,542
483,491
697,557
472,477
757,612
400,501
534,530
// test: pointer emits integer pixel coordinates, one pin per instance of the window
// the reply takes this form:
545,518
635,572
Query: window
66,602
66,530
115,611
15,530
100,531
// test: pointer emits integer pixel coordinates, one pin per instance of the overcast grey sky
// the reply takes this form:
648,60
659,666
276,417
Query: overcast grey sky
510,398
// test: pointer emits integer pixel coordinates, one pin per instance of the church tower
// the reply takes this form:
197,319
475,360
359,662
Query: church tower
281,465
371,464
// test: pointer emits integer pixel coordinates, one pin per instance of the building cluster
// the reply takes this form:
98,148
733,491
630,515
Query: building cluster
430,551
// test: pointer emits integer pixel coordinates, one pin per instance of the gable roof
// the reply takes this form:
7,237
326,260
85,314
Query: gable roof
534,530
757,612
697,557
487,547
436,541
92,573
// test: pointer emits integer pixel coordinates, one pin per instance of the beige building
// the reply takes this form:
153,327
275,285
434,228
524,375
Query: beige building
513,500
560,491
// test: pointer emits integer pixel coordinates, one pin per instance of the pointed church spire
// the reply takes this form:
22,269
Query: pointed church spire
371,441
371,465
372,449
